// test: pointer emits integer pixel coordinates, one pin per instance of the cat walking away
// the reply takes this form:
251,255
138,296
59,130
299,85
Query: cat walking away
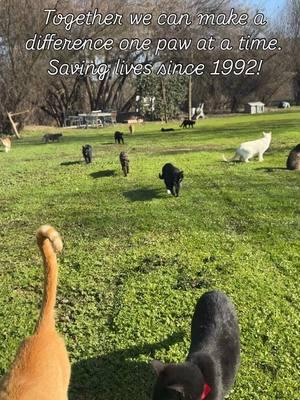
41,370
119,137
248,150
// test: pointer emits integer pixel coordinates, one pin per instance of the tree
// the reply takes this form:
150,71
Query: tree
293,34
21,72
168,92
62,99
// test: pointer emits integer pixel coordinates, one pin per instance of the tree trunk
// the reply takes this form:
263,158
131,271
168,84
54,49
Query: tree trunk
164,98
297,88
190,98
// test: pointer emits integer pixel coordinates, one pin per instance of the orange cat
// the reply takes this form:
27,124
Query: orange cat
131,129
6,141
41,370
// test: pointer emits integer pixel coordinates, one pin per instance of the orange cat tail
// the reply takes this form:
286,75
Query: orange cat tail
50,243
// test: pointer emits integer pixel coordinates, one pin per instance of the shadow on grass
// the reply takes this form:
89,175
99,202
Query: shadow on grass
229,130
103,174
271,169
116,376
229,161
70,163
193,149
143,194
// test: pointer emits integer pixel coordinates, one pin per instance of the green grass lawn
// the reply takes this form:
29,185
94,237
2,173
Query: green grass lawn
135,260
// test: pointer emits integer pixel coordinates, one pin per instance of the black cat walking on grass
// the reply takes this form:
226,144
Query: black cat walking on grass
173,178
87,152
213,359
119,137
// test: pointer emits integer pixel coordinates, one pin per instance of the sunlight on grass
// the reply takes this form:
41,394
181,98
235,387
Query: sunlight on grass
135,260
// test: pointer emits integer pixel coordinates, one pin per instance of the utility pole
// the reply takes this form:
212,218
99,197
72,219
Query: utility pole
190,97
164,97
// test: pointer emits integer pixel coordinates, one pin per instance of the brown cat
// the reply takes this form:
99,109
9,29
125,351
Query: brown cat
6,141
124,160
41,370
131,129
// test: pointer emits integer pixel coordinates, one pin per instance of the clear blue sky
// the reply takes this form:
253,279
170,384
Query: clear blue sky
270,6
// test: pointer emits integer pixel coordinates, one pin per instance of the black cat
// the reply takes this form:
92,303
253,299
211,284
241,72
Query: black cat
87,153
167,129
119,137
187,123
293,161
124,160
213,360
172,177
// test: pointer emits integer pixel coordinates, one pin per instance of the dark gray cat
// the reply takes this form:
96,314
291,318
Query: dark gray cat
119,137
87,152
124,160
293,161
213,360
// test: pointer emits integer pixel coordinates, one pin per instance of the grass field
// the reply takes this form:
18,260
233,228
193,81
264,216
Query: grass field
136,261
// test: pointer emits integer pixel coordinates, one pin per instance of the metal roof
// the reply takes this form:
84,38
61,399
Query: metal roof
256,103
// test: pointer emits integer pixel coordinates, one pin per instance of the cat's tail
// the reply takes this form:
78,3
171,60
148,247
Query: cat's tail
231,159
50,243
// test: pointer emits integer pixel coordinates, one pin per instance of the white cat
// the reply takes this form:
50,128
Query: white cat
248,150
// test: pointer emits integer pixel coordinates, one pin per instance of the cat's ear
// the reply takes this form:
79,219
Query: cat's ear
158,366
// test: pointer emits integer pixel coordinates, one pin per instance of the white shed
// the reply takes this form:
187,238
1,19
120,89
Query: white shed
255,108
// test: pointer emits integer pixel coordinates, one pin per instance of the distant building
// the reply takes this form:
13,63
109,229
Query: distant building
255,108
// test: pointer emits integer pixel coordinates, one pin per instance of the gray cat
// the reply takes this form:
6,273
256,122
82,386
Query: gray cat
293,161
213,360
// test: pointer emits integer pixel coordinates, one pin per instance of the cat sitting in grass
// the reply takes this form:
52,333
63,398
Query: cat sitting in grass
248,150
6,141
293,161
